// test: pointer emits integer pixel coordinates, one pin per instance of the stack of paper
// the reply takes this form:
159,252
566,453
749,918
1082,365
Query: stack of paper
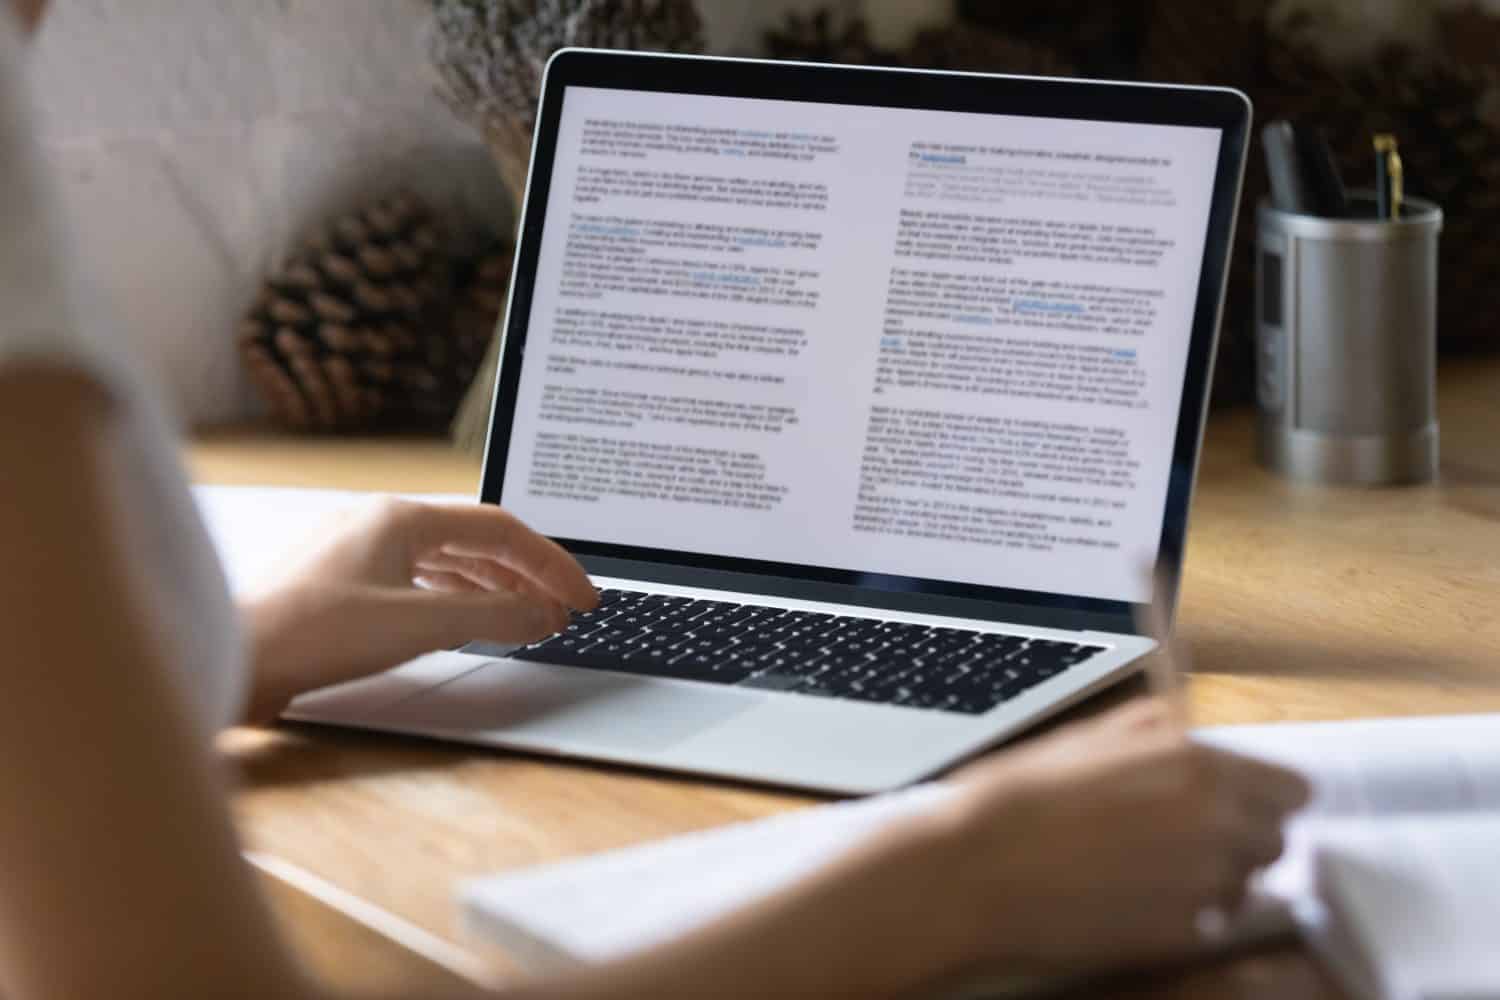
1411,906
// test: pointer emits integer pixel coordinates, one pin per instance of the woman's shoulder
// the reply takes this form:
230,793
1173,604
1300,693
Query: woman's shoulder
41,321
57,347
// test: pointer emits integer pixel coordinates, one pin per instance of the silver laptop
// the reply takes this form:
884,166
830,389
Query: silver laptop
866,396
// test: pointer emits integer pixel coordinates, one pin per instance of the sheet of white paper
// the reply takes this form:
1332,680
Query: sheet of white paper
256,529
1368,768
1383,766
1411,906
611,904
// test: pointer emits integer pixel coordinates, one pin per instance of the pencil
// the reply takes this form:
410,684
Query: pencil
1167,667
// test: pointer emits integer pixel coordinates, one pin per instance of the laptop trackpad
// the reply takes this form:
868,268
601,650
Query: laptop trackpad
570,706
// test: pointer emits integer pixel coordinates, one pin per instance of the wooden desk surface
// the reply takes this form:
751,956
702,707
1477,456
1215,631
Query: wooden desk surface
1299,603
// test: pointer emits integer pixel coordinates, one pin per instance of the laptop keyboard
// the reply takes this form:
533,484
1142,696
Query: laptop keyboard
824,655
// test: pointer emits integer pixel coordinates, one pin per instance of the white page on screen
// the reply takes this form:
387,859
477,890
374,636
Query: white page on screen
933,344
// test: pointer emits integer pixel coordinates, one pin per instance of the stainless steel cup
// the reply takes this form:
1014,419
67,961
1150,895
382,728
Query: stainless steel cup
1346,321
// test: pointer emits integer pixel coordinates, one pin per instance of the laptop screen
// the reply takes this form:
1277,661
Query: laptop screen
932,344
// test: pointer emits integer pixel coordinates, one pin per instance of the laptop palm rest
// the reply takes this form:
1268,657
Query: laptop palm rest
568,706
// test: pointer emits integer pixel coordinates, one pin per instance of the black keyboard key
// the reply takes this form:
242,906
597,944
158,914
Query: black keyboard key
1074,655
997,647
859,627
698,662
612,647
803,646
646,654
900,631
916,698
697,611
839,664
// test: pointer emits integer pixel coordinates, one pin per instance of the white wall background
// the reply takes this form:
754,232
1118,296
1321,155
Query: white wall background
195,139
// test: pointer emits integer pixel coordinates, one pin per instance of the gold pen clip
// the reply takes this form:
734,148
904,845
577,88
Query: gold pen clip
1386,145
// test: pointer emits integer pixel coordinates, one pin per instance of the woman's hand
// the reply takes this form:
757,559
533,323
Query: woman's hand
1091,849
1104,844
401,580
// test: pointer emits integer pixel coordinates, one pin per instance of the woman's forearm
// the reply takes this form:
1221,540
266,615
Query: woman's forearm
277,635
867,926
120,864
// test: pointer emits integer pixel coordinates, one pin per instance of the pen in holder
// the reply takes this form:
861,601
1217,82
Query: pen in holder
1346,331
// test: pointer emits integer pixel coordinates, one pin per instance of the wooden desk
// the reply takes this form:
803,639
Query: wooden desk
1299,603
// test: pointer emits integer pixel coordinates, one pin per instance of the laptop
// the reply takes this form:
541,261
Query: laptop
866,396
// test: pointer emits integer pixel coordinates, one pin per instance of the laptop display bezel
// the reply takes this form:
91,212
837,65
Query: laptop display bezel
1223,109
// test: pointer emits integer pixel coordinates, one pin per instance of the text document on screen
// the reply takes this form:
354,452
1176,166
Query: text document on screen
933,344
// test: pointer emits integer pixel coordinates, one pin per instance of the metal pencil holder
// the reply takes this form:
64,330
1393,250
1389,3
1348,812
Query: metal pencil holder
1346,329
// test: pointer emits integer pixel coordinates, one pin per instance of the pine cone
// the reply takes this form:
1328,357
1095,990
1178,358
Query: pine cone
484,290
491,54
973,48
1218,44
352,332
1470,34
1094,37
483,286
827,36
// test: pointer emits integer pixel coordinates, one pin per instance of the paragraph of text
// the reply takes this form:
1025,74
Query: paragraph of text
587,468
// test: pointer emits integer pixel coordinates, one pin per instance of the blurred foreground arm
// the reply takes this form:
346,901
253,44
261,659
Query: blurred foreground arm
119,872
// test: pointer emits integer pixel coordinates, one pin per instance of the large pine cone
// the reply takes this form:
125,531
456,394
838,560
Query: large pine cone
354,332
491,57
482,288
476,316
972,48
1095,37
1215,44
826,35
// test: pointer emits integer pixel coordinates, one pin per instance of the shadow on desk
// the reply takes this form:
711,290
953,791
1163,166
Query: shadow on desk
1472,488
305,755
1281,972
1270,655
